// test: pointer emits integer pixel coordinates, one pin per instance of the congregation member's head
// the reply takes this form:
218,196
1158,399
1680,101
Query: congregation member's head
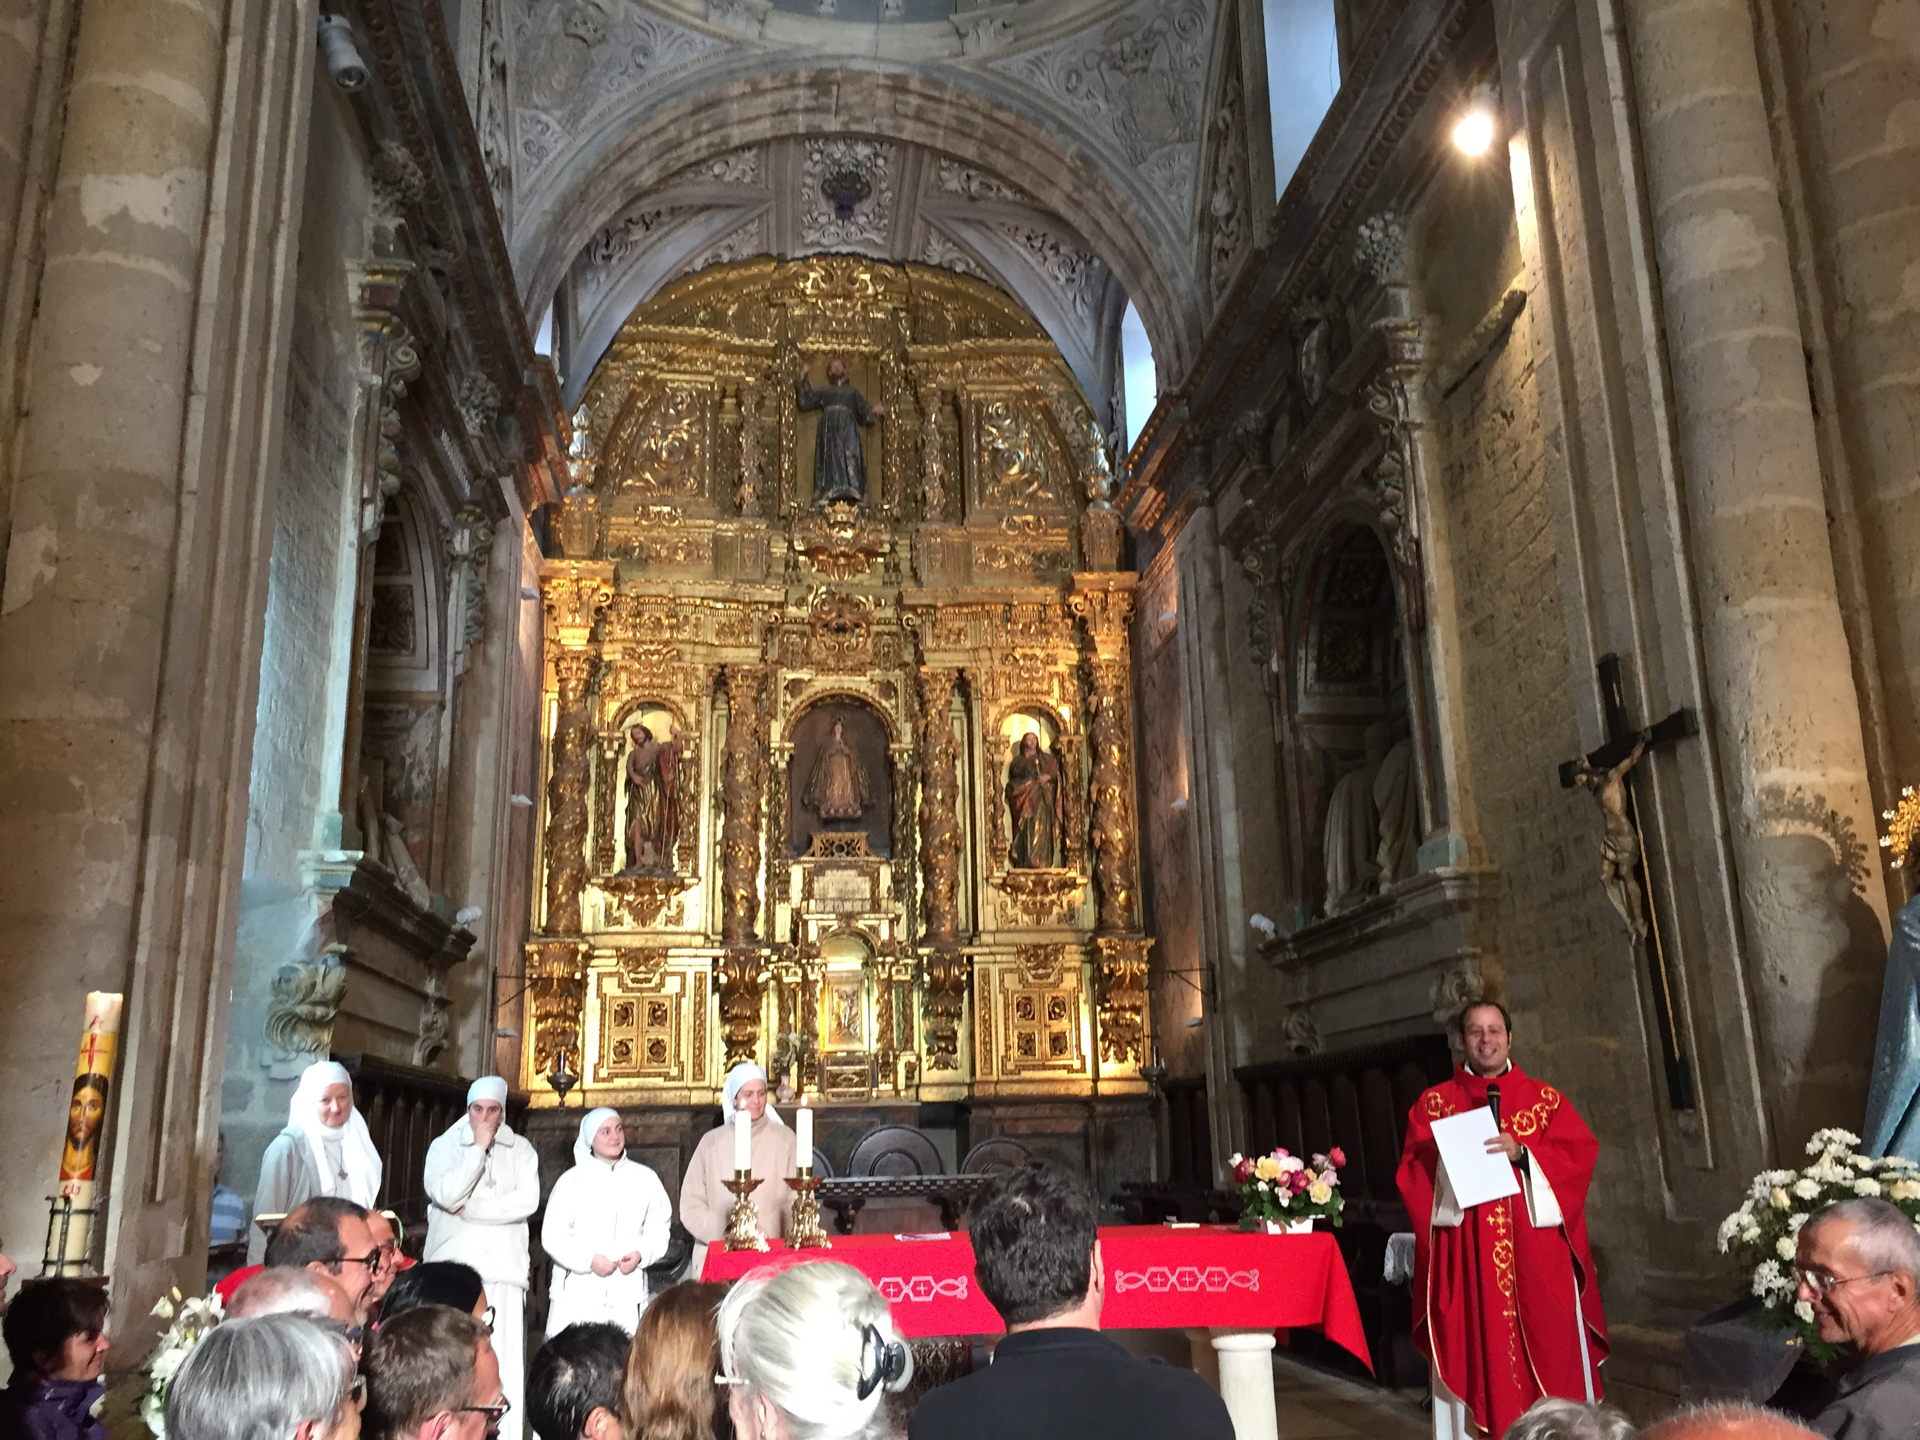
1858,1266
1552,1418
1728,1422
1486,1035
291,1292
329,1235
439,1282
1034,1248
669,1392
273,1377
385,1226
573,1385
432,1375
809,1353
55,1329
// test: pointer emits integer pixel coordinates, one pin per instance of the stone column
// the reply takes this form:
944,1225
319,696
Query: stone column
1853,78
1780,695
130,619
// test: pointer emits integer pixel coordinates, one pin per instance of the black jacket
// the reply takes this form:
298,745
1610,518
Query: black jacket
1069,1383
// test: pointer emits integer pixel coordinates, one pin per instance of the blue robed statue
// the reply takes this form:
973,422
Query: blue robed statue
839,462
1893,1101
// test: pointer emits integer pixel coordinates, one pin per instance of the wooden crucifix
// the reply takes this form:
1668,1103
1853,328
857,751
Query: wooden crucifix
1606,773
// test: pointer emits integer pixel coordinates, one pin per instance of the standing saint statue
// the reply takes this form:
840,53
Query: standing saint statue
1036,805
837,788
839,462
1620,844
653,800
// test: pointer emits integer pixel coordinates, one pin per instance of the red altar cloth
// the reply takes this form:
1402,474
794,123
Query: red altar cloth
1157,1279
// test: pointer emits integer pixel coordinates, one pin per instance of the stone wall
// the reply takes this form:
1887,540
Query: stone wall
293,792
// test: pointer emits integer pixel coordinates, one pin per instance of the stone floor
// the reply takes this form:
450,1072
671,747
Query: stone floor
1314,1405
1311,1403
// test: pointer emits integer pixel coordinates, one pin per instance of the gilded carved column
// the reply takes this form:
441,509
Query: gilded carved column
947,971
743,785
1116,864
557,993
566,858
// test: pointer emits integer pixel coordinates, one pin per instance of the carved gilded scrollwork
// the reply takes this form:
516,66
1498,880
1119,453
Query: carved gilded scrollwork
567,794
557,989
743,785
1122,983
948,974
839,541
741,979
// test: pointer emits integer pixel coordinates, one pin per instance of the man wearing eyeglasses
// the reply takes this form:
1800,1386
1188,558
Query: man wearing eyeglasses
432,1375
330,1236
1858,1265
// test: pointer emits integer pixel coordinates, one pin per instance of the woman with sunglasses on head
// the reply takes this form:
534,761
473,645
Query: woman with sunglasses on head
438,1282
810,1353
607,1219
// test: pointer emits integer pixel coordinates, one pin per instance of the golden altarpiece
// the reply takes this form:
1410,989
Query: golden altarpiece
838,708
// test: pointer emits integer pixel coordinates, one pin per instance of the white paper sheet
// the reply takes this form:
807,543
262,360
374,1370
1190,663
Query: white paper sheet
1476,1175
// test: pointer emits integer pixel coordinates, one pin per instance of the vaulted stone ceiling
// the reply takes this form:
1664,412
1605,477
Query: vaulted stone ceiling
1070,151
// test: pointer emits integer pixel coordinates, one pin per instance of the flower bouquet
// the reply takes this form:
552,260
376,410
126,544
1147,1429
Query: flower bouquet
1282,1191
190,1322
1764,1231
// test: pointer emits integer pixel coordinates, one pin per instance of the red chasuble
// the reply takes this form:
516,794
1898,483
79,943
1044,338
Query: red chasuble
1493,1298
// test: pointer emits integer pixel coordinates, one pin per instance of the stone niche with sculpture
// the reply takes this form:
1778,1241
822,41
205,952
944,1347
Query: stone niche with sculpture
838,706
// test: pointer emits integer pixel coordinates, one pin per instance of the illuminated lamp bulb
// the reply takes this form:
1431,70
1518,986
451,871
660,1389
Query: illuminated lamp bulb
1473,132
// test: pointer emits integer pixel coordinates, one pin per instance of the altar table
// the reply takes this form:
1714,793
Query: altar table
1241,1287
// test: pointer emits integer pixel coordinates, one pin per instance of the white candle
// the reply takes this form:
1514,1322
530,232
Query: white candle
803,1137
742,1140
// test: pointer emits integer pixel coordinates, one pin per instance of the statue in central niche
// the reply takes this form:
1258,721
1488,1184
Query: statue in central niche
837,789
1036,807
839,462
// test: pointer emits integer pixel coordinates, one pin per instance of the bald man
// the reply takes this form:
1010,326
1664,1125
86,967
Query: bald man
1729,1422
291,1292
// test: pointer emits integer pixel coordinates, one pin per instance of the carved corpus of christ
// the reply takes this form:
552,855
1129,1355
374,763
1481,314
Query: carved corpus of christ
1620,843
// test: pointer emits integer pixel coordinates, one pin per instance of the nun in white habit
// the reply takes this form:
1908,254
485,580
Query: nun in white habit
608,1218
482,1183
325,1150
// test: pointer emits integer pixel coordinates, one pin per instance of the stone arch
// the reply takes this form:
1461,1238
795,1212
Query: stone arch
664,129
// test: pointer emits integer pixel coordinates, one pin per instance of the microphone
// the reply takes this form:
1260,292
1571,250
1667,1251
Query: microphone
1493,1103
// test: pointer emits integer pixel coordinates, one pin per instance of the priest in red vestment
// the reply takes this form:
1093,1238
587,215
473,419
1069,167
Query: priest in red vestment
1505,1303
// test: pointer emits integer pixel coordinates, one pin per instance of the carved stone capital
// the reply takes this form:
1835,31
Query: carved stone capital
1104,610
576,594
306,999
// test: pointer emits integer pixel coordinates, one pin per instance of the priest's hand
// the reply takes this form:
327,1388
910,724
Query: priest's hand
1505,1144
603,1267
878,409
630,1262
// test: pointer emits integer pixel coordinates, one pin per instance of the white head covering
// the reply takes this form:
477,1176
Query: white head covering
488,1087
589,1123
736,1077
357,1155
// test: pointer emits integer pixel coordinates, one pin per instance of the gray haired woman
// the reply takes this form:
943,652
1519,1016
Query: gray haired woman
280,1377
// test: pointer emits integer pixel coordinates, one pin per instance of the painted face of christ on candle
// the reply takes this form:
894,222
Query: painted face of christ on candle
84,1114
335,1101
752,1098
610,1140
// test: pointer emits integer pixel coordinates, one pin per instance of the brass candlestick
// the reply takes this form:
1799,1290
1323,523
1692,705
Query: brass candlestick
806,1233
743,1225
